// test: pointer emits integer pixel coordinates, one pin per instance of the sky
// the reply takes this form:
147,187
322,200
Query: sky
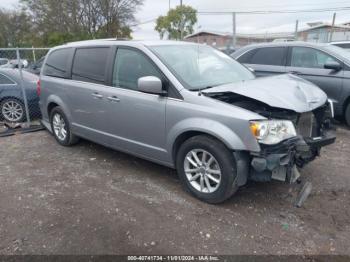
248,24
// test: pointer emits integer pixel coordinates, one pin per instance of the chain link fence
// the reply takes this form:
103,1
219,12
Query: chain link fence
19,98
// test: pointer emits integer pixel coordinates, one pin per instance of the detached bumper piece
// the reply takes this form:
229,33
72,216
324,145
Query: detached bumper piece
282,161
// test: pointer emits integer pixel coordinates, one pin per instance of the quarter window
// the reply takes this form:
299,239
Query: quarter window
57,64
129,66
4,80
90,64
309,58
246,57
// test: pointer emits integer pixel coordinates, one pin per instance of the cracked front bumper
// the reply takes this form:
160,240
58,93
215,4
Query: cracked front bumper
281,161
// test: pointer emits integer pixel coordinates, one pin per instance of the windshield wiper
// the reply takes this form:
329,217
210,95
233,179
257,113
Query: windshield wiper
202,88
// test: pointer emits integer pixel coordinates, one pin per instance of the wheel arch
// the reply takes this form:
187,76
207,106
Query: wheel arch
189,128
52,102
345,105
2,98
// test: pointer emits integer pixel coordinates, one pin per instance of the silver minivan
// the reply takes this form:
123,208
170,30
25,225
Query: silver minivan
186,106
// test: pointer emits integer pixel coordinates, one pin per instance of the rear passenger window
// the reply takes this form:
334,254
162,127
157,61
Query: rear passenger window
4,80
57,64
269,56
90,64
129,66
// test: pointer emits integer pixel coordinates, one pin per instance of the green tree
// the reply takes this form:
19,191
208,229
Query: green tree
60,21
15,28
177,23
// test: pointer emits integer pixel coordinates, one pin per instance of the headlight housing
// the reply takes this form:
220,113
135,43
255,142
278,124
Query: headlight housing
272,131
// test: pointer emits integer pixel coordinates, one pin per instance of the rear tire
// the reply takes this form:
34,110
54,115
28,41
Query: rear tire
207,169
61,128
347,114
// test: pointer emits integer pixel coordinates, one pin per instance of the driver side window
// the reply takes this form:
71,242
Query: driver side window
309,58
129,66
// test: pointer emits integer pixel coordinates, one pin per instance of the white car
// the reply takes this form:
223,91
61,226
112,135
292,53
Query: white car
4,62
342,44
13,63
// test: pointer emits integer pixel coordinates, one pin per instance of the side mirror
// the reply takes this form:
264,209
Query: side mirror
333,66
150,84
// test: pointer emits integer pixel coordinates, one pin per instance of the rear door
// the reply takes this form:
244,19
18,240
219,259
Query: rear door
308,63
87,92
266,61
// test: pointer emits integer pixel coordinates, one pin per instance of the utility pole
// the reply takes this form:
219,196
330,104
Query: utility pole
332,29
182,24
296,30
234,30
169,4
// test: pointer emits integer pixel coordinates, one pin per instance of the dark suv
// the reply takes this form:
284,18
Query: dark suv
325,65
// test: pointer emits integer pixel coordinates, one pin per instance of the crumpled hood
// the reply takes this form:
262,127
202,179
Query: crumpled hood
282,91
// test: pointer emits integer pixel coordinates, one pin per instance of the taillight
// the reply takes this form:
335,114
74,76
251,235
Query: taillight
38,88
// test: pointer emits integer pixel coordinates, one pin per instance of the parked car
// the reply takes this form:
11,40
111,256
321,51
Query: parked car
14,63
12,107
278,40
186,106
36,66
342,44
325,65
4,62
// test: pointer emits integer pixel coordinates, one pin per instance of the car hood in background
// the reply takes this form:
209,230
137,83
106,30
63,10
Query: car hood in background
282,91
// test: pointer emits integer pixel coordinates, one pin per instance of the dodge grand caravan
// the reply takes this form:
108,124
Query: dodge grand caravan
186,106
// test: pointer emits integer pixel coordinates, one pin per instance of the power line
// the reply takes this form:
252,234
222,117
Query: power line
144,22
317,10
293,5
344,8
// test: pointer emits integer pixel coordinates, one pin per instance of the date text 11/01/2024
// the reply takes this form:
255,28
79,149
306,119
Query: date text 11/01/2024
173,258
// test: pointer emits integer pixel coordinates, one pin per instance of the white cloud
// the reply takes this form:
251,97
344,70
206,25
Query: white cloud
245,23
8,3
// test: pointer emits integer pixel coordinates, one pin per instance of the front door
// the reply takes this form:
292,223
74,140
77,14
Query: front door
136,119
308,63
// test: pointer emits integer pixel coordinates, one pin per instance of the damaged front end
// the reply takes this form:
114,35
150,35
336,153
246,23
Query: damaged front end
281,161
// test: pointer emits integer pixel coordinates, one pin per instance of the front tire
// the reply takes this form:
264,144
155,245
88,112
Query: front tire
347,114
61,128
207,169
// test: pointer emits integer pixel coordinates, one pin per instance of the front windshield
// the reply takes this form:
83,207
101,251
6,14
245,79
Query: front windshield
199,66
343,53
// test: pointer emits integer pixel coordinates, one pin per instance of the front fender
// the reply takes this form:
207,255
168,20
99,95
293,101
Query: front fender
213,128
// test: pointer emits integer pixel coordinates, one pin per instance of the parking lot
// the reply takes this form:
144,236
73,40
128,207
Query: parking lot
88,199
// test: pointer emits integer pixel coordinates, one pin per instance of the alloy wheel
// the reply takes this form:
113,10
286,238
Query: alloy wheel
59,127
12,110
202,170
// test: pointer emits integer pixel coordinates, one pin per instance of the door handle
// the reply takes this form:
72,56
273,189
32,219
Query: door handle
294,72
97,95
113,98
